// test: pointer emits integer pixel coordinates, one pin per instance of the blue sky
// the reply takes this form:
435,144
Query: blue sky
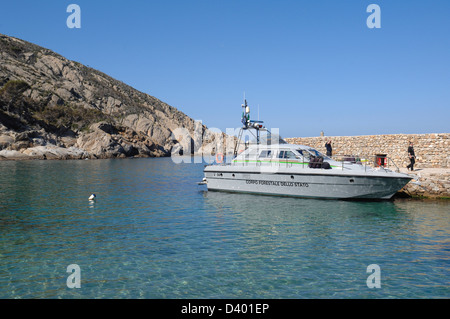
311,66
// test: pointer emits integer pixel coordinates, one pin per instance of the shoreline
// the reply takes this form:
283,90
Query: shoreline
26,158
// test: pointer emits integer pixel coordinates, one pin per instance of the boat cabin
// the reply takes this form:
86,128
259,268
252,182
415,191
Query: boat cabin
283,153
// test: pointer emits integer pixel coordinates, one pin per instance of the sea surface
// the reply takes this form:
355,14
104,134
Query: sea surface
152,232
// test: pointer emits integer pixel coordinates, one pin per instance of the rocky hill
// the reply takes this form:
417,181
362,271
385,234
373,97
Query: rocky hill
51,107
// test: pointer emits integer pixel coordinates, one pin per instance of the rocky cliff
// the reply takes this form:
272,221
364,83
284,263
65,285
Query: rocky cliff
51,107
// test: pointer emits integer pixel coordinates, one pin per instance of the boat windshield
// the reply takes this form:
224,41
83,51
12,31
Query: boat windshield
310,151
316,152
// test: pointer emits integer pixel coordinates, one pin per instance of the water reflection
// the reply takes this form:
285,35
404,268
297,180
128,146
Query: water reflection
254,209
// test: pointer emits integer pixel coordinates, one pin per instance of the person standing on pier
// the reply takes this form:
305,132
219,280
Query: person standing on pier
329,148
412,156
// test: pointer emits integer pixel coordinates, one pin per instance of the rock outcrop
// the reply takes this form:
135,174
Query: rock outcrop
428,183
51,107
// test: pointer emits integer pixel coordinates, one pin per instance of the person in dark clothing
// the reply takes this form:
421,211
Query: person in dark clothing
329,148
412,156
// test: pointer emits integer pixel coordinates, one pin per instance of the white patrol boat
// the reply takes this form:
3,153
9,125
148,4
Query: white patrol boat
274,167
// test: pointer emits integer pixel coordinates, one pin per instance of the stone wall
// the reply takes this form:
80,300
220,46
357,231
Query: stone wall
432,150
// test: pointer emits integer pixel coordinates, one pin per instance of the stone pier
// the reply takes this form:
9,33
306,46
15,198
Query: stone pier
428,182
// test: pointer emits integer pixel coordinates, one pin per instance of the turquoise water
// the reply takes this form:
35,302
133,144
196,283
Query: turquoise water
154,233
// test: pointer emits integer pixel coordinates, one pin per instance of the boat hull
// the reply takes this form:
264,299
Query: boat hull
310,185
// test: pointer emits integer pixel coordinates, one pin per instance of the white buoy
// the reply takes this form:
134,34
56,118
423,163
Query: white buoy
92,197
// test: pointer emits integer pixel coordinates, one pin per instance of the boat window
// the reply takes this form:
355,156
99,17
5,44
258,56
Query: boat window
289,154
265,154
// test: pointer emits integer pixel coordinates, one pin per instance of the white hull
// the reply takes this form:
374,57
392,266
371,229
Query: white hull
311,183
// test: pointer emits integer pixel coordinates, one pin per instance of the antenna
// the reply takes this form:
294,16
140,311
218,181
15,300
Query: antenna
248,124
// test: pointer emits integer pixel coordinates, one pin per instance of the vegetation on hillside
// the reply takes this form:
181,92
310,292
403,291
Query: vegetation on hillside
18,112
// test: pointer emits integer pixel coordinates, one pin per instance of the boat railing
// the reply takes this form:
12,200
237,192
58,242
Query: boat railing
338,161
368,161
